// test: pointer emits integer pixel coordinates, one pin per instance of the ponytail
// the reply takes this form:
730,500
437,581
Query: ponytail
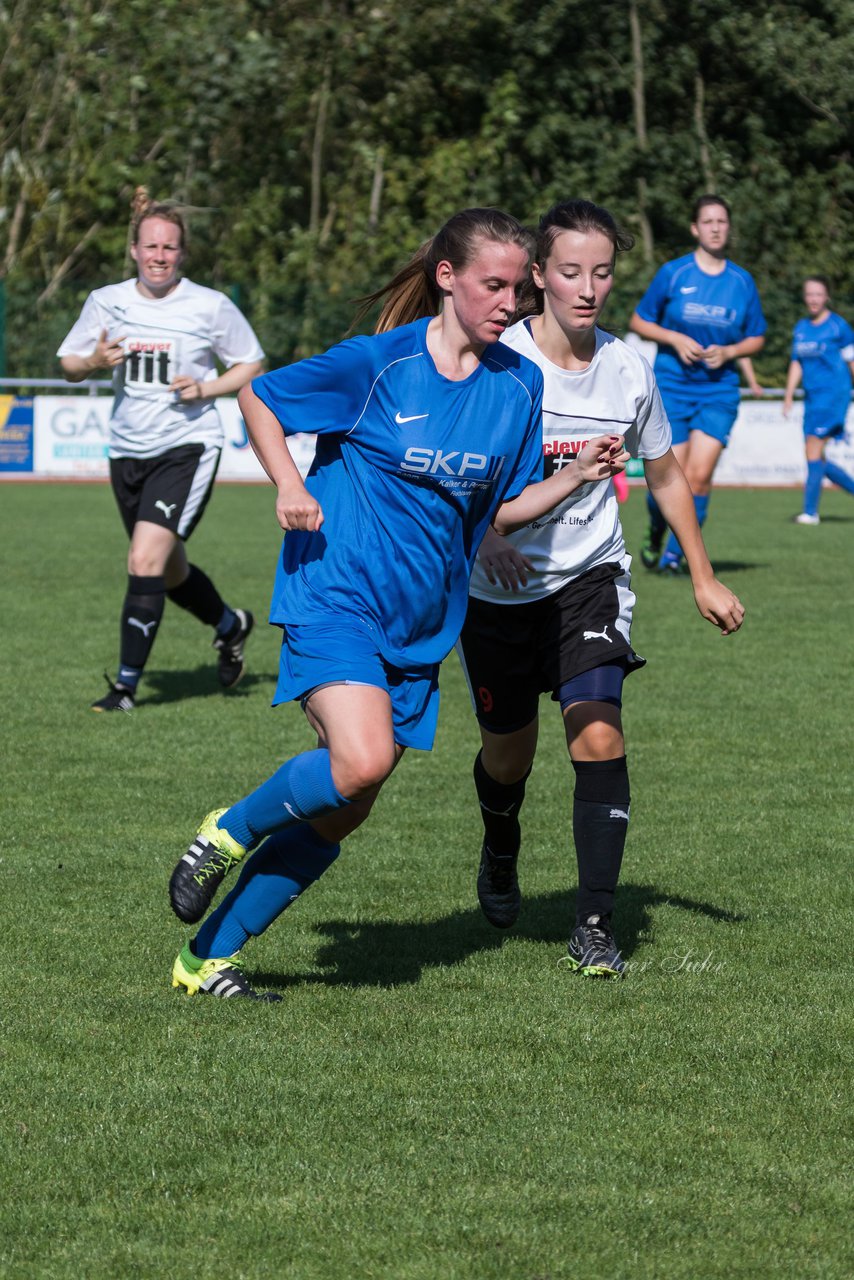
413,292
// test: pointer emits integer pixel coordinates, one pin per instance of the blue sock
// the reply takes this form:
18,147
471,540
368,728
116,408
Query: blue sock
812,488
701,507
839,477
673,551
656,520
129,676
270,881
227,623
301,790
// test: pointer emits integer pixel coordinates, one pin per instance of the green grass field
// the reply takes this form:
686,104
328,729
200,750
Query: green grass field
432,1100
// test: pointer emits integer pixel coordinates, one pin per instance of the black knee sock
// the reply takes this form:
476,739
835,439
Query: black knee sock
198,595
499,808
657,522
600,820
141,614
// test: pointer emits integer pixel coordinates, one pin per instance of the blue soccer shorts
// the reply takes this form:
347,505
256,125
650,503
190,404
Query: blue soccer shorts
344,651
690,409
825,421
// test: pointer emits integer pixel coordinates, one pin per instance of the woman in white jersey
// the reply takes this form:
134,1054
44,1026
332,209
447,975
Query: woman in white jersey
426,432
160,336
551,605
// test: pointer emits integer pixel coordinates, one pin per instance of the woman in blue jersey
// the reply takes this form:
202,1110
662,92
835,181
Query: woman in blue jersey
704,312
551,605
427,432
823,359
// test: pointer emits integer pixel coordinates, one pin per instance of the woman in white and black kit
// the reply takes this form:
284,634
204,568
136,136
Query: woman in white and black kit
550,607
160,335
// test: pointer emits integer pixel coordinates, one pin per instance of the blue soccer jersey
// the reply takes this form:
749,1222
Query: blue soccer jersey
824,352
714,310
410,469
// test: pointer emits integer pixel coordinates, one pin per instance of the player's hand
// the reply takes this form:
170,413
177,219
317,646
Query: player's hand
108,352
720,606
715,357
601,458
787,408
687,349
297,509
187,389
504,565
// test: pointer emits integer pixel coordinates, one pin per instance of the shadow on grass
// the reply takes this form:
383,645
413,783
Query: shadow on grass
388,953
719,566
737,566
176,686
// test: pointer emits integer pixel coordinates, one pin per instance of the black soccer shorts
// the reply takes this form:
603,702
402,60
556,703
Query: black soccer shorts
171,489
511,653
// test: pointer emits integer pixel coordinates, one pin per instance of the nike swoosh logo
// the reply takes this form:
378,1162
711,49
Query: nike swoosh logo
415,417
689,289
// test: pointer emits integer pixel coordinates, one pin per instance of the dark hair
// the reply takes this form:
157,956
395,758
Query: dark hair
570,215
142,207
822,280
703,202
413,291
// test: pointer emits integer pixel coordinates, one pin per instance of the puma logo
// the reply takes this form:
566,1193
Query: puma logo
598,635
144,627
167,510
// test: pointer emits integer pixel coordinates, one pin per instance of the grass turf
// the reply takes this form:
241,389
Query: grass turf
432,1098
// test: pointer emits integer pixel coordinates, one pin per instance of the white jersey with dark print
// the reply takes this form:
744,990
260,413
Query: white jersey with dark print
181,334
615,395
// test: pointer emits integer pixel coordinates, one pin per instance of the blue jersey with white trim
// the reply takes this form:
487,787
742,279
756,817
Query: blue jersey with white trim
410,469
824,352
714,310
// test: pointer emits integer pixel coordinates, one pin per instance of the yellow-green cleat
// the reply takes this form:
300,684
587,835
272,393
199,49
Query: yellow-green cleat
593,951
215,977
202,869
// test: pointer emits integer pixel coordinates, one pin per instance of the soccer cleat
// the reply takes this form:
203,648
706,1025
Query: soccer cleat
119,698
806,518
215,977
202,869
651,548
498,888
592,950
673,567
230,664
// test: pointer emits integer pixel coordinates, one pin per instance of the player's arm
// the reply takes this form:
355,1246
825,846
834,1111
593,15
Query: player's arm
107,353
745,364
688,349
600,459
502,563
667,484
793,381
295,507
227,383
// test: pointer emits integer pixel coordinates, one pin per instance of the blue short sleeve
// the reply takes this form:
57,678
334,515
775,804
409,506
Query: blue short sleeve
754,323
652,304
325,394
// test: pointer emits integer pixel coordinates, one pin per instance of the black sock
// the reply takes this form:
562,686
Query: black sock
499,807
198,595
600,819
141,614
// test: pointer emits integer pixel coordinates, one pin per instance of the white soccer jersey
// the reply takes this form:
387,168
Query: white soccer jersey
615,395
163,338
